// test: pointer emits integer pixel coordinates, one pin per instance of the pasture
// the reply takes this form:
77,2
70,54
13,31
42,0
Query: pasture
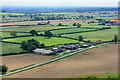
8,48
47,41
72,30
29,28
7,34
104,35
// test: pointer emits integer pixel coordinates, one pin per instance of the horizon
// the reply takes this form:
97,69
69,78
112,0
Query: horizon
59,3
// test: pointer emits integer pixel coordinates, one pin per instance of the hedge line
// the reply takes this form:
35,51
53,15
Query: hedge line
79,32
13,54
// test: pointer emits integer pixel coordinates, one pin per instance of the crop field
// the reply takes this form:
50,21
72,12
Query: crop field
104,35
72,30
8,48
47,41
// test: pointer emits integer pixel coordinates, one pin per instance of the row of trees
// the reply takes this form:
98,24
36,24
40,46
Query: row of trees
48,22
74,24
33,33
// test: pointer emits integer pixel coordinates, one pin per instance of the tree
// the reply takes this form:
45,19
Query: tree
78,25
31,44
42,45
3,69
59,35
48,22
32,47
74,24
48,34
24,45
33,32
60,24
80,38
13,33
115,38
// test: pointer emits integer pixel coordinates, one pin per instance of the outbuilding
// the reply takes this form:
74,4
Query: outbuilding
44,52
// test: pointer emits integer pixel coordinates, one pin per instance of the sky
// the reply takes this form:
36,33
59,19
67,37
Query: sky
67,3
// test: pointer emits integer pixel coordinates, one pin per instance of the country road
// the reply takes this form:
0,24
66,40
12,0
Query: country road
52,60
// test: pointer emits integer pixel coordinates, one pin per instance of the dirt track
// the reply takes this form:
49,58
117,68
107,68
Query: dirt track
95,61
18,61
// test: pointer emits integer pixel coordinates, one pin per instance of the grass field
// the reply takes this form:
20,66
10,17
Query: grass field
97,35
38,28
7,34
47,41
70,30
107,75
8,48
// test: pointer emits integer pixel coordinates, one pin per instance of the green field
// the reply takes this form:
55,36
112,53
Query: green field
70,30
47,41
27,29
107,75
104,35
8,48
7,34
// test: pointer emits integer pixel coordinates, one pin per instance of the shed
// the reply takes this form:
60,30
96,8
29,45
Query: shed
44,52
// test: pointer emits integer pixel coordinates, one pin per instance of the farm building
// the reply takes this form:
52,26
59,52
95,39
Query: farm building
70,47
99,42
44,52
84,45
56,49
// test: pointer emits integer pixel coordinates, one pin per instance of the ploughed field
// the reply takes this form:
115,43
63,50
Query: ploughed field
18,61
92,62
46,40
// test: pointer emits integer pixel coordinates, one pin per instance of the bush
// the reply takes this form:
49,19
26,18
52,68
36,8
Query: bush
33,32
3,69
60,24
